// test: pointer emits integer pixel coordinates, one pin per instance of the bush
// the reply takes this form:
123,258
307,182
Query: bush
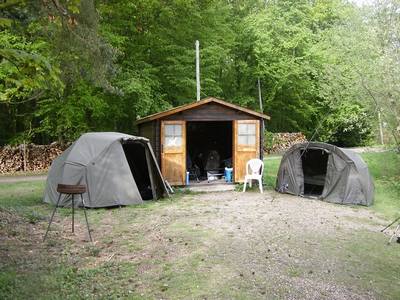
268,140
348,125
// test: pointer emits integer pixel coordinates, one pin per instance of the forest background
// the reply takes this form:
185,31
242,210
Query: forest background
327,68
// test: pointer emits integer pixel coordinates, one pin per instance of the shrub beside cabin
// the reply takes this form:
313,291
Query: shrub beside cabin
206,134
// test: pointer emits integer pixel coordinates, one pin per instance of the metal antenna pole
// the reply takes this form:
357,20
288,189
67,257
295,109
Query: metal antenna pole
198,70
261,108
380,127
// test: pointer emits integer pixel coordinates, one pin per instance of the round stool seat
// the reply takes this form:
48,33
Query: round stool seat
71,189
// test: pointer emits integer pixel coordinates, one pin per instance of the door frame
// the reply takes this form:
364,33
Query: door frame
183,168
255,148
231,122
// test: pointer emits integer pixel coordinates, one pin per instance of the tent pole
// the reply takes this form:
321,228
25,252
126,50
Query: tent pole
152,183
164,181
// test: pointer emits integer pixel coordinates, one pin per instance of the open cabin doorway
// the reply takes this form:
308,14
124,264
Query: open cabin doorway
315,164
208,150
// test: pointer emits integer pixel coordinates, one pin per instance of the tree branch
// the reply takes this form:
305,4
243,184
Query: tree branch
10,3
59,7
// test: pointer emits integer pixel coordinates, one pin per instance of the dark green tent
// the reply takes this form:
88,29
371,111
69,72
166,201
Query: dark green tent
325,172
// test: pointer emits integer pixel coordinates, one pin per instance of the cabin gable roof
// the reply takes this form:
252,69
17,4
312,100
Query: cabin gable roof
196,104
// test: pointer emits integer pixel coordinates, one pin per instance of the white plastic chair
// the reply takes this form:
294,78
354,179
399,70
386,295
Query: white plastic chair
254,171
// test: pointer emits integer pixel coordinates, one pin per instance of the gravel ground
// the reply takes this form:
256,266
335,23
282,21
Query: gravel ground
257,246
220,245
284,241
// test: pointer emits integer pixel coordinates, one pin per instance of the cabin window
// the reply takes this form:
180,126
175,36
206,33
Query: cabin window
247,134
173,135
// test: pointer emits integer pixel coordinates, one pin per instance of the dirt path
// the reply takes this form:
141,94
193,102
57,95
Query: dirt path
13,179
372,149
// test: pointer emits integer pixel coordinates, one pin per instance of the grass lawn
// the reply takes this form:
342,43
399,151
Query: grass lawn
385,169
198,246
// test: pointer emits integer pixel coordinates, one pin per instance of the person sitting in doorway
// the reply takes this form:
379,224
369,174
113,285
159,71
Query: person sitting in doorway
213,161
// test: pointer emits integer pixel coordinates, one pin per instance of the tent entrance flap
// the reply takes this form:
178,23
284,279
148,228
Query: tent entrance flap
209,147
135,153
314,163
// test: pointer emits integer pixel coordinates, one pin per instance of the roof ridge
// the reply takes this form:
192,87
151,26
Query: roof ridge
203,101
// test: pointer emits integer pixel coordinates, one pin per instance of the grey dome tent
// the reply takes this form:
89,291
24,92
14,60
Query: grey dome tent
325,172
118,169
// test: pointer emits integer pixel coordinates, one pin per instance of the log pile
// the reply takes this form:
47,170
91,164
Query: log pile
280,142
37,158
28,158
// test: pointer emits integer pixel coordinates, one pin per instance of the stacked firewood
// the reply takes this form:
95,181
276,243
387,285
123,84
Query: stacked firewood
30,157
280,142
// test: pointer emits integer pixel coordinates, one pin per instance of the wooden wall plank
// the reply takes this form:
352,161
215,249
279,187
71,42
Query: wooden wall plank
146,130
157,138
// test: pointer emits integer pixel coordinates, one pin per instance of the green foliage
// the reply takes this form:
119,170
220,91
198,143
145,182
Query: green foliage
362,62
268,139
346,125
8,279
67,67
52,70
67,117
23,72
285,35
26,76
384,168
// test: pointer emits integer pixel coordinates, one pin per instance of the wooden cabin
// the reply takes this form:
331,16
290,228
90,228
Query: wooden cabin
209,130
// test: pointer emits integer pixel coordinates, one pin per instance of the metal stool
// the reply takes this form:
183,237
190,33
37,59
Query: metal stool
396,231
70,190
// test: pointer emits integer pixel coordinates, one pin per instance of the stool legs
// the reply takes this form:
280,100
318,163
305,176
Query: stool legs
73,216
52,216
87,222
73,213
394,233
